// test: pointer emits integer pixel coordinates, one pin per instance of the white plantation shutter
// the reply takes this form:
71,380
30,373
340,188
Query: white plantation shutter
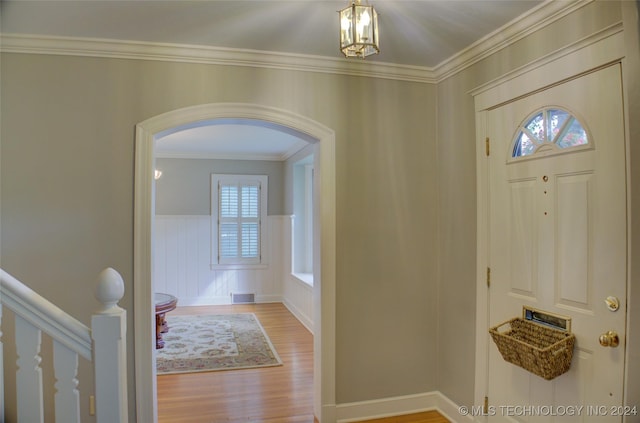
228,242
250,228
238,209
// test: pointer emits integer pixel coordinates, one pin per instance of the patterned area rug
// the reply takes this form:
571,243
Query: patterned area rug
214,342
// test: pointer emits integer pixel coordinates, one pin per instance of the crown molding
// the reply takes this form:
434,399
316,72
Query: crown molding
537,18
120,49
524,25
610,42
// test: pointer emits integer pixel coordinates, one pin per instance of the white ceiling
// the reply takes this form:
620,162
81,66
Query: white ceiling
230,139
421,33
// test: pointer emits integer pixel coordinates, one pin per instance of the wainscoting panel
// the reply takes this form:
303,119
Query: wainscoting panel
298,295
298,298
182,263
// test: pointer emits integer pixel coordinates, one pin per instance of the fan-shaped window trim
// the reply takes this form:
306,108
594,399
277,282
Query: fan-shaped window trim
547,131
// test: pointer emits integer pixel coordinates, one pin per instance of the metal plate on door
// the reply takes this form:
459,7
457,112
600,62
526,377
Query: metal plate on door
547,318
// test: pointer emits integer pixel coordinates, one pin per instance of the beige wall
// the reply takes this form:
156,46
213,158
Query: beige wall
386,245
185,185
67,193
457,239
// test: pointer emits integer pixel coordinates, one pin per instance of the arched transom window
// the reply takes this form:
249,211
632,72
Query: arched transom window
551,128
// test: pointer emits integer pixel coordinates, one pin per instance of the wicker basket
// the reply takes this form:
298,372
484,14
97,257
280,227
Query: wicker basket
539,349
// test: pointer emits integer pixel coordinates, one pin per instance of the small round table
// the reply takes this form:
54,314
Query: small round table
164,304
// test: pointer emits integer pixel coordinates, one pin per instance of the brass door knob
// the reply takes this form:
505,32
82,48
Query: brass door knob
609,339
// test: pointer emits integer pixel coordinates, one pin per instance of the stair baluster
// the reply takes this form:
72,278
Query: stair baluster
71,339
29,373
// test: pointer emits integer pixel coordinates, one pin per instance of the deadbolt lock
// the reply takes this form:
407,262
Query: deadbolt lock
613,304
609,339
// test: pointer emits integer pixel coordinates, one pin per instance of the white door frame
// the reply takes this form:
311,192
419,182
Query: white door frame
144,204
586,55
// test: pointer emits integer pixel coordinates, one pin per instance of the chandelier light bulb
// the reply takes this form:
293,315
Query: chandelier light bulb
366,19
345,23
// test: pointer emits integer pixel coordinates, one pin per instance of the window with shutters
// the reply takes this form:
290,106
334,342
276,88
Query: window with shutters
238,211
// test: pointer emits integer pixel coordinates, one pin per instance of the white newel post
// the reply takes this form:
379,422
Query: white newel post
108,330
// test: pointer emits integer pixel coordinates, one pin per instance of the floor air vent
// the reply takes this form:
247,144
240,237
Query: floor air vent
237,298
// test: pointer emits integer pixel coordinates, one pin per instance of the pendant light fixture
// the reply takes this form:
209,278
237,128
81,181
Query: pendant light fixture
359,35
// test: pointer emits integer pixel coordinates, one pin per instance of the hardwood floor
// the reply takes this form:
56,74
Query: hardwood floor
426,417
282,394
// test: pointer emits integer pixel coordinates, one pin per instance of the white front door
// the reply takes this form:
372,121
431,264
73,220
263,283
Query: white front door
557,243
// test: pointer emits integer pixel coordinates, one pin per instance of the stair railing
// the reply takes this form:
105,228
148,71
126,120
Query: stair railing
104,345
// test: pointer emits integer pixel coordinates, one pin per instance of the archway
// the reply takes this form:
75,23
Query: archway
324,291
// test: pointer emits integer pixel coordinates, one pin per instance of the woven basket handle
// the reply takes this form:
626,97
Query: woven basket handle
497,328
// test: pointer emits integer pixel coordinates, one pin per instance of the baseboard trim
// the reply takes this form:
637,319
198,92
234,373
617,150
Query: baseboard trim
451,410
396,406
302,318
224,300
306,321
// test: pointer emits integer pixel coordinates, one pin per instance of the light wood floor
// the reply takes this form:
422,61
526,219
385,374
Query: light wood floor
426,417
282,394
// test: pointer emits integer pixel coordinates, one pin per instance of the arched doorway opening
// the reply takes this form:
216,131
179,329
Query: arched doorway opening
324,289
